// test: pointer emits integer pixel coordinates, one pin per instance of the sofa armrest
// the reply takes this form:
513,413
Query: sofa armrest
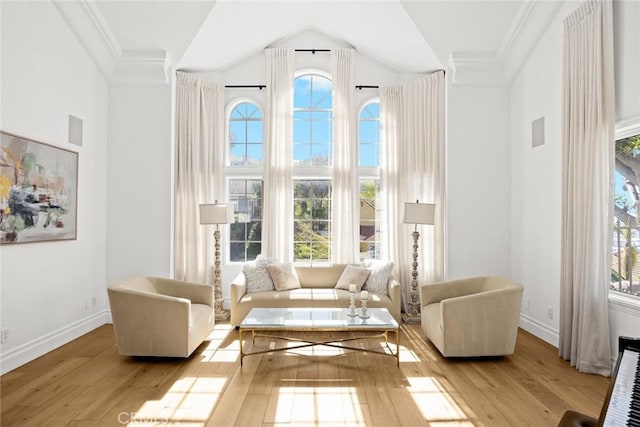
197,293
395,294
436,292
238,288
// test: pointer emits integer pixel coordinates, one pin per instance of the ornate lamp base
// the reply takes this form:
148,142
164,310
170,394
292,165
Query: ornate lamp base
222,314
411,318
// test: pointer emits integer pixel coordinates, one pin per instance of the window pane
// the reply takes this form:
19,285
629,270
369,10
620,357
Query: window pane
245,235
302,92
369,132
369,219
321,131
625,268
254,154
369,135
312,225
369,155
320,154
302,131
237,154
254,132
237,131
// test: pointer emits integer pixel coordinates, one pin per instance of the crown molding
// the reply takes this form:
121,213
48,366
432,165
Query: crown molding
118,66
141,67
476,68
499,68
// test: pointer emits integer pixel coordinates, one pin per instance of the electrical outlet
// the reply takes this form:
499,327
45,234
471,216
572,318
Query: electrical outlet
526,303
93,302
549,313
4,336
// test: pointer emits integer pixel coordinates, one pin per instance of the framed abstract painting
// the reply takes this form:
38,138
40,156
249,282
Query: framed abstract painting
38,191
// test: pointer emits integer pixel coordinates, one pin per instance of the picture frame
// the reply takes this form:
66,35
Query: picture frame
38,191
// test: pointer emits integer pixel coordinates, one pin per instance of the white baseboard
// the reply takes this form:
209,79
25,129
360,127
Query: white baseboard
539,329
27,352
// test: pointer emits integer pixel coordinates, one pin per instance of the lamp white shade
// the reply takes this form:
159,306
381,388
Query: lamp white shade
419,213
216,214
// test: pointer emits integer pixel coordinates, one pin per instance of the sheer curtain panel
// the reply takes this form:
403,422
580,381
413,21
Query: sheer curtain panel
344,206
199,159
277,231
587,208
412,120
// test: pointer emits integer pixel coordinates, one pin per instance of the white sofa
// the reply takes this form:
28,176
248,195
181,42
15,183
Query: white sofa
154,316
477,316
317,290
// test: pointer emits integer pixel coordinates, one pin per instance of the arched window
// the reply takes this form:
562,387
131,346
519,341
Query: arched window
369,179
244,180
245,135
312,159
312,120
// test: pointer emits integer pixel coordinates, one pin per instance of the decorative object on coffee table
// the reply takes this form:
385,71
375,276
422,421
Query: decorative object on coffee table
352,300
217,214
416,213
364,298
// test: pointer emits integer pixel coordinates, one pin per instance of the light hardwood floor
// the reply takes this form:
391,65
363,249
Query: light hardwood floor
87,383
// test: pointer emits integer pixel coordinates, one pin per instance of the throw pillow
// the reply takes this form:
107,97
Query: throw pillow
353,274
379,276
258,277
284,276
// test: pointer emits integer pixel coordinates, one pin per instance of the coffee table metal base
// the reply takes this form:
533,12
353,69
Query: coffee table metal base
335,343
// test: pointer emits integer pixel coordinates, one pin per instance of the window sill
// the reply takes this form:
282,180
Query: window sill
624,300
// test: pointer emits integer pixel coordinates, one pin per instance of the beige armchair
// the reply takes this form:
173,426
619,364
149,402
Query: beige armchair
154,316
477,316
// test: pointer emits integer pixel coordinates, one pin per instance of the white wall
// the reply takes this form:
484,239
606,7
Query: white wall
477,181
537,182
47,75
140,183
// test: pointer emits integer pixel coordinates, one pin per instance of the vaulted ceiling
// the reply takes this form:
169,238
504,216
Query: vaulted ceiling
478,40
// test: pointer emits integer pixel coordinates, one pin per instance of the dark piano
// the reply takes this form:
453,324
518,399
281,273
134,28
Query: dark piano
622,403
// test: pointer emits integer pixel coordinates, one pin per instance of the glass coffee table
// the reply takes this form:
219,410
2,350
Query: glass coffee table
262,321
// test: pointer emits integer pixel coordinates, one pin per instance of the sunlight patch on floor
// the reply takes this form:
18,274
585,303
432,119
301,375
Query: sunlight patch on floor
215,352
189,401
435,404
327,405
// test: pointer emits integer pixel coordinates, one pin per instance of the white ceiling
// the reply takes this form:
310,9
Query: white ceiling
407,35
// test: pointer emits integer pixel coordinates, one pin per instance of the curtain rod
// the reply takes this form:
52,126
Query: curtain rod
246,86
313,51
359,87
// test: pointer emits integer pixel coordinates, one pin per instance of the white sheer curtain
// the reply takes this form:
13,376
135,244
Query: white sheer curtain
395,240
277,231
345,209
587,208
412,120
199,159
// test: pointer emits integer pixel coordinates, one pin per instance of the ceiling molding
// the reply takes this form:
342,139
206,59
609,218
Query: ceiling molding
142,67
515,28
532,20
92,31
117,65
478,69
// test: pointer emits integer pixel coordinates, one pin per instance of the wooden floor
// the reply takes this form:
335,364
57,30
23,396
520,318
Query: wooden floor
87,383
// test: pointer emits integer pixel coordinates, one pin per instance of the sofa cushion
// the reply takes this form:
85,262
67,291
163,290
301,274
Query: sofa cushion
284,276
258,277
378,279
353,274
